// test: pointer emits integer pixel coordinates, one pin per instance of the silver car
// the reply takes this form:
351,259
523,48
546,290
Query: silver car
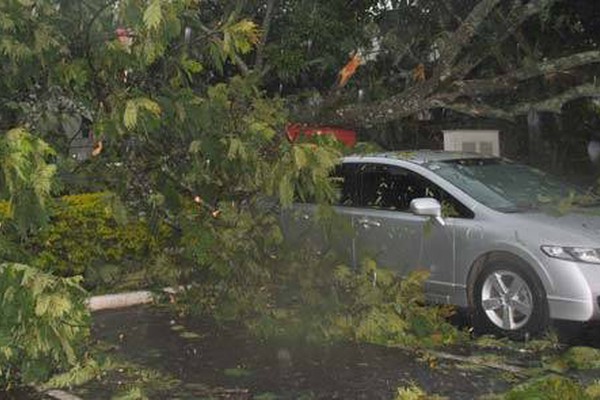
513,244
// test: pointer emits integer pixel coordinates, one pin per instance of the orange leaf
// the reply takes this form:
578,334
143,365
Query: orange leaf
349,69
97,149
419,73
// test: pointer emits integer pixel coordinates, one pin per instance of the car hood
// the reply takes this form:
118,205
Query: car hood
579,227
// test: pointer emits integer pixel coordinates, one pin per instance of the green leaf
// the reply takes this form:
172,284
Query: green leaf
195,147
130,117
189,335
132,394
131,114
286,190
48,324
236,149
149,105
153,15
178,328
300,157
240,37
6,23
42,304
237,372
191,66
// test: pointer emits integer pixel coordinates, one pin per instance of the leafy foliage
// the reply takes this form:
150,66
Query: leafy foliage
311,40
197,148
312,297
551,387
386,310
25,177
44,324
91,234
576,357
79,374
414,392
90,230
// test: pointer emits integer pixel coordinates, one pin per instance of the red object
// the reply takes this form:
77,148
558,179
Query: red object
125,36
121,32
345,136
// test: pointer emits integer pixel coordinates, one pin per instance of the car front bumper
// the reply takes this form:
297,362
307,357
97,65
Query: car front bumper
574,292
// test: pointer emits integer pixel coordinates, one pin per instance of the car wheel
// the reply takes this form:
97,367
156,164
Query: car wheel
509,300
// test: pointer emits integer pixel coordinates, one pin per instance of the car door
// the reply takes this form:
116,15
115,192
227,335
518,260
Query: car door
321,228
385,231
439,239
389,233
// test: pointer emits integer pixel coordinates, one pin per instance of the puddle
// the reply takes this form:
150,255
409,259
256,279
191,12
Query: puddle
211,362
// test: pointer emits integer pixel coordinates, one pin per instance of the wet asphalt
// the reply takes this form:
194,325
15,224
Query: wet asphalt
206,365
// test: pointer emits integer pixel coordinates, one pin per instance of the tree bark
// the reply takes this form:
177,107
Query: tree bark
553,104
462,36
516,17
266,26
407,103
510,80
447,83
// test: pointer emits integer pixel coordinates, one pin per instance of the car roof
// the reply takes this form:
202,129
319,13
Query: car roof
420,156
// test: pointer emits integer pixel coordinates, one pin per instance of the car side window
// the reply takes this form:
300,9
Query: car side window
393,188
344,177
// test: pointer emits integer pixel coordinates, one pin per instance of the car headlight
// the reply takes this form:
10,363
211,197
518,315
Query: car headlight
582,254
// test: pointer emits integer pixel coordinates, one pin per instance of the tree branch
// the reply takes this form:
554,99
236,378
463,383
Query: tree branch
516,17
479,110
462,36
402,105
510,80
415,99
266,26
553,104
99,85
242,66
423,95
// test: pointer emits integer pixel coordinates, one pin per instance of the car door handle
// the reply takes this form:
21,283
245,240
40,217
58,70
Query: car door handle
366,223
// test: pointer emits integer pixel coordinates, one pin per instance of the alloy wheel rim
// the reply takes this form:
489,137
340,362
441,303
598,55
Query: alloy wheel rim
506,300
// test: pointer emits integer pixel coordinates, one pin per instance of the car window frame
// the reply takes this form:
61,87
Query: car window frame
350,177
360,168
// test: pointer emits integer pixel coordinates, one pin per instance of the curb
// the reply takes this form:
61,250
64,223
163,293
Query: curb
120,300
127,299
111,302
61,395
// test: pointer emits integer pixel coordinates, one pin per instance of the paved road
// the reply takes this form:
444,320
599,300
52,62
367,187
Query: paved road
289,371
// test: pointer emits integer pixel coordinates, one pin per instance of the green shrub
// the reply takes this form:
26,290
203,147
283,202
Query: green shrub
414,392
91,235
310,296
4,208
549,387
376,306
44,324
91,230
581,357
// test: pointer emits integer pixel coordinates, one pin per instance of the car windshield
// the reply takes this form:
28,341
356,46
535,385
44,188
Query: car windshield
509,187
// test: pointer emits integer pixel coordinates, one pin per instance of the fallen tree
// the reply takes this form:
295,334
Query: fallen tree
468,75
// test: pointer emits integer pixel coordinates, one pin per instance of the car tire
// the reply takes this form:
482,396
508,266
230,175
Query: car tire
509,299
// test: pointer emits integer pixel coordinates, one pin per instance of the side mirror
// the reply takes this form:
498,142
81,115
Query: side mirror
427,207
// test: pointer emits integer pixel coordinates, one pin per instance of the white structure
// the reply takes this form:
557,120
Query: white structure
473,141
